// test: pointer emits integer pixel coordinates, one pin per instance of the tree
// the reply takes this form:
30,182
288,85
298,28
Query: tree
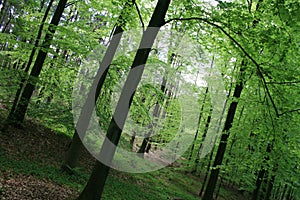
95,185
211,185
86,112
28,65
19,113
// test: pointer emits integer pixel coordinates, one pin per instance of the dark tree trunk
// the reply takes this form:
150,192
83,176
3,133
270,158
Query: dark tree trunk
42,5
6,21
289,195
284,191
145,147
146,139
258,182
261,175
26,70
19,113
2,11
95,185
231,147
132,139
142,149
198,124
208,195
197,160
89,105
219,188
270,187
207,172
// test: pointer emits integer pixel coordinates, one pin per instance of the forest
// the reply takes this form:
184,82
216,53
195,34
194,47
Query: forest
151,100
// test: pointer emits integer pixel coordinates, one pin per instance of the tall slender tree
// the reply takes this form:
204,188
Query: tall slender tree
89,105
95,185
212,182
19,113
29,62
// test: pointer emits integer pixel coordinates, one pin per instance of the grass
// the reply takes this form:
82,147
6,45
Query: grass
149,186
39,171
167,183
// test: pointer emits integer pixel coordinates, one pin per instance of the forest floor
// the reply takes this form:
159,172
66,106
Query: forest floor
30,168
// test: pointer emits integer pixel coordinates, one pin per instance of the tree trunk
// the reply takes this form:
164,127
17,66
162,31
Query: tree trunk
208,195
284,191
146,139
270,187
89,105
207,172
219,188
197,160
261,174
2,11
6,21
198,124
19,114
95,185
258,182
26,70
290,194
132,139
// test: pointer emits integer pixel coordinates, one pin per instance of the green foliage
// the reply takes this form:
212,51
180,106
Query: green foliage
264,34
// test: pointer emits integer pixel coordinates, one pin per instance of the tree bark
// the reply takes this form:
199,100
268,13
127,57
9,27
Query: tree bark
146,139
258,182
197,160
261,174
26,70
270,187
89,105
206,173
208,195
95,185
19,114
198,124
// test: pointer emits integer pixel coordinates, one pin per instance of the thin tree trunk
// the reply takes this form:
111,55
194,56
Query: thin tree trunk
145,142
3,4
26,70
284,191
19,114
258,182
219,188
197,160
156,114
261,175
207,172
6,24
270,187
231,146
89,105
132,139
208,195
198,124
95,185
42,5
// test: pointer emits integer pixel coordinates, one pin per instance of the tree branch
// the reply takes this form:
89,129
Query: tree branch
289,111
283,83
140,16
71,3
260,74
